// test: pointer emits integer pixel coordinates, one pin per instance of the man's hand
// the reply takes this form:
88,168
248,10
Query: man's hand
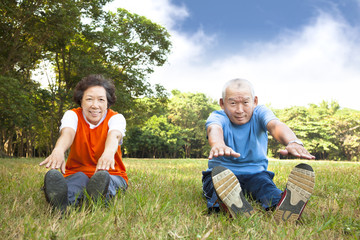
105,162
221,150
283,134
56,160
296,150
216,141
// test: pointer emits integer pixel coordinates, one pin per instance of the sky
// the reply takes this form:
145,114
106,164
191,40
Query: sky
294,52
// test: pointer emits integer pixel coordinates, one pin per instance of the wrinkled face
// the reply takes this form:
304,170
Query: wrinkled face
238,105
94,104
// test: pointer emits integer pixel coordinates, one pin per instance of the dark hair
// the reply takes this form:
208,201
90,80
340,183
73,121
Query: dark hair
91,81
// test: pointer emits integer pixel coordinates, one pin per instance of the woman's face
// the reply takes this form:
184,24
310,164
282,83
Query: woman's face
94,104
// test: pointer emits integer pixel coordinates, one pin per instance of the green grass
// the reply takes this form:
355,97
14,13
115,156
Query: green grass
164,201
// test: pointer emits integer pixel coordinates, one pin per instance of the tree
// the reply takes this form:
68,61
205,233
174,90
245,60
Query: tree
190,111
346,129
20,36
175,129
27,26
156,138
17,115
144,108
327,131
121,46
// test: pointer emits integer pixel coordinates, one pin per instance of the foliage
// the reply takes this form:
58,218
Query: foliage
157,138
173,127
20,38
164,201
144,108
190,111
30,28
17,115
26,122
79,38
327,131
347,133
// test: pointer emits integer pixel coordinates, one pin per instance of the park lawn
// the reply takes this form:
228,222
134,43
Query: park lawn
164,201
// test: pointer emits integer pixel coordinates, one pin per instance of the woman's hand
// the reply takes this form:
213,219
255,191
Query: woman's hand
56,160
105,162
107,159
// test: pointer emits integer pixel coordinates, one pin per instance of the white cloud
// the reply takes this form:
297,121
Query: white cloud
159,11
319,62
185,47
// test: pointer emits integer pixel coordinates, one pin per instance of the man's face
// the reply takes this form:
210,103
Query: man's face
238,105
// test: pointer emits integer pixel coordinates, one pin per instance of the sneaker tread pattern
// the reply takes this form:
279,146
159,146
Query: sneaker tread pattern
229,191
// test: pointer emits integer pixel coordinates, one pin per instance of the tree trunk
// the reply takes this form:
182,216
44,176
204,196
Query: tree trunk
20,143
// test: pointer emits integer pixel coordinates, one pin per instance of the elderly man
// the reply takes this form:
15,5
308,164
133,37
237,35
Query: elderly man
238,160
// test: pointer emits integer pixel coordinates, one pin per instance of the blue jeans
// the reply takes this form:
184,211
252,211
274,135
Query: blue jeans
259,186
77,183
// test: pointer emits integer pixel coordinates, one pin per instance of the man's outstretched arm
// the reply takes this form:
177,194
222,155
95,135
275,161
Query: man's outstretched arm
216,140
283,134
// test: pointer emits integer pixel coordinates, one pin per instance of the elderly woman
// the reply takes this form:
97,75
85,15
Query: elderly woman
94,133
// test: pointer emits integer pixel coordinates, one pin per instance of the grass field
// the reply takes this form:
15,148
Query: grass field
164,201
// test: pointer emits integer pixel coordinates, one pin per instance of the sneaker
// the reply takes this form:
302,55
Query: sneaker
298,190
98,185
228,190
56,189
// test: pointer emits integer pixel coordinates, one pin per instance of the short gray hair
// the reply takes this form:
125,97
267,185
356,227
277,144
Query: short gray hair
238,83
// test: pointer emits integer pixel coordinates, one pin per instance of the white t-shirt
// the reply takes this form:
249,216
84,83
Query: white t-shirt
116,122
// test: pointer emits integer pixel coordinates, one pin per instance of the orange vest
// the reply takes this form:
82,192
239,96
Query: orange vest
89,145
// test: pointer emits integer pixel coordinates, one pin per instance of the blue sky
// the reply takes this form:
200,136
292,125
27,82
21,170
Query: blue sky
246,21
295,52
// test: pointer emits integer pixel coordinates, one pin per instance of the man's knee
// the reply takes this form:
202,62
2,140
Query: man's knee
208,187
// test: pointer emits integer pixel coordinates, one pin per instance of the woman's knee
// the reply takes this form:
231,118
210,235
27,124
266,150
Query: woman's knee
116,183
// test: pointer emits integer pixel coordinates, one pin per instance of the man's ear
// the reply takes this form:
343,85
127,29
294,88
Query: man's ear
221,103
256,101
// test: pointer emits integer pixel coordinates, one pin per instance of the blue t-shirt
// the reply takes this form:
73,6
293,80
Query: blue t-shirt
249,139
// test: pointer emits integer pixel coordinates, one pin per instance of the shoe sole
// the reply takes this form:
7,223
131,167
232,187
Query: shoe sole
56,189
228,190
98,185
298,190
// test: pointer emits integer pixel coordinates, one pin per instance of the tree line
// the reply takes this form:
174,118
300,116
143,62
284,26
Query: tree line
327,131
124,47
175,128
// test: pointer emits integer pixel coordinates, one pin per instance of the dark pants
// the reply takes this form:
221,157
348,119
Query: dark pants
259,186
77,183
